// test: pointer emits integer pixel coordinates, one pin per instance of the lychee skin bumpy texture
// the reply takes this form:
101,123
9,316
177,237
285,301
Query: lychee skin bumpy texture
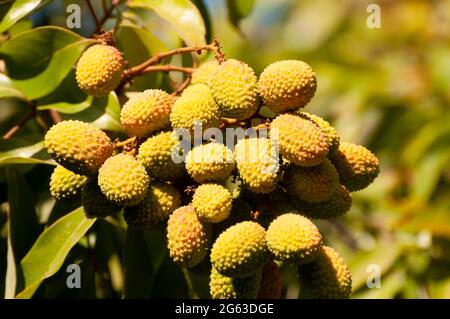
188,238
233,86
336,205
80,147
146,112
212,203
293,238
301,141
356,165
327,277
204,72
155,154
100,69
123,180
210,162
330,132
240,250
95,203
194,107
66,185
270,287
287,85
311,184
223,287
161,200
258,164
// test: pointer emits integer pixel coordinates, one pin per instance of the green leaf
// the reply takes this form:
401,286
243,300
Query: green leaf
23,227
51,249
104,112
138,266
16,10
238,10
200,4
390,285
182,15
138,44
7,88
384,255
16,151
66,107
38,60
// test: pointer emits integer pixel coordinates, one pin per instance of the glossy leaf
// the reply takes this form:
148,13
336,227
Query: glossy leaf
383,255
16,151
16,10
23,227
182,15
38,60
104,112
7,88
238,10
138,44
51,248
138,266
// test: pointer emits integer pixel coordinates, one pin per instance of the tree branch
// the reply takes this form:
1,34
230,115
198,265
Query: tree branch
22,122
167,68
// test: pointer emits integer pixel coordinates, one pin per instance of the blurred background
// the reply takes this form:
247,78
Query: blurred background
387,88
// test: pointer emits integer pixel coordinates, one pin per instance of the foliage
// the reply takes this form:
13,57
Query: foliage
386,88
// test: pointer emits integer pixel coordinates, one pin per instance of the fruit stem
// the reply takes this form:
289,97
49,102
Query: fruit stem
182,86
125,143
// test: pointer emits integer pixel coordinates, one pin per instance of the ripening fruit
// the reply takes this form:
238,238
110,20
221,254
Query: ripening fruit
123,180
258,164
240,250
311,184
66,185
301,141
330,132
188,238
203,73
334,206
161,200
195,107
327,277
270,287
95,203
233,86
287,85
100,69
212,162
80,147
146,112
293,238
223,287
155,154
356,165
212,203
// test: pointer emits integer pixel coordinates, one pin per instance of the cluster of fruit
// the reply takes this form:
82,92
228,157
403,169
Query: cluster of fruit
298,171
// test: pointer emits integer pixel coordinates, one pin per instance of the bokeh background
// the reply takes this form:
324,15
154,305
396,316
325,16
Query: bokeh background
387,88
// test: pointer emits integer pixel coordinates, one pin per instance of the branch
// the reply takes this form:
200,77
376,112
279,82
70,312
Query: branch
137,70
157,58
55,116
167,68
108,13
22,122
182,86
97,22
